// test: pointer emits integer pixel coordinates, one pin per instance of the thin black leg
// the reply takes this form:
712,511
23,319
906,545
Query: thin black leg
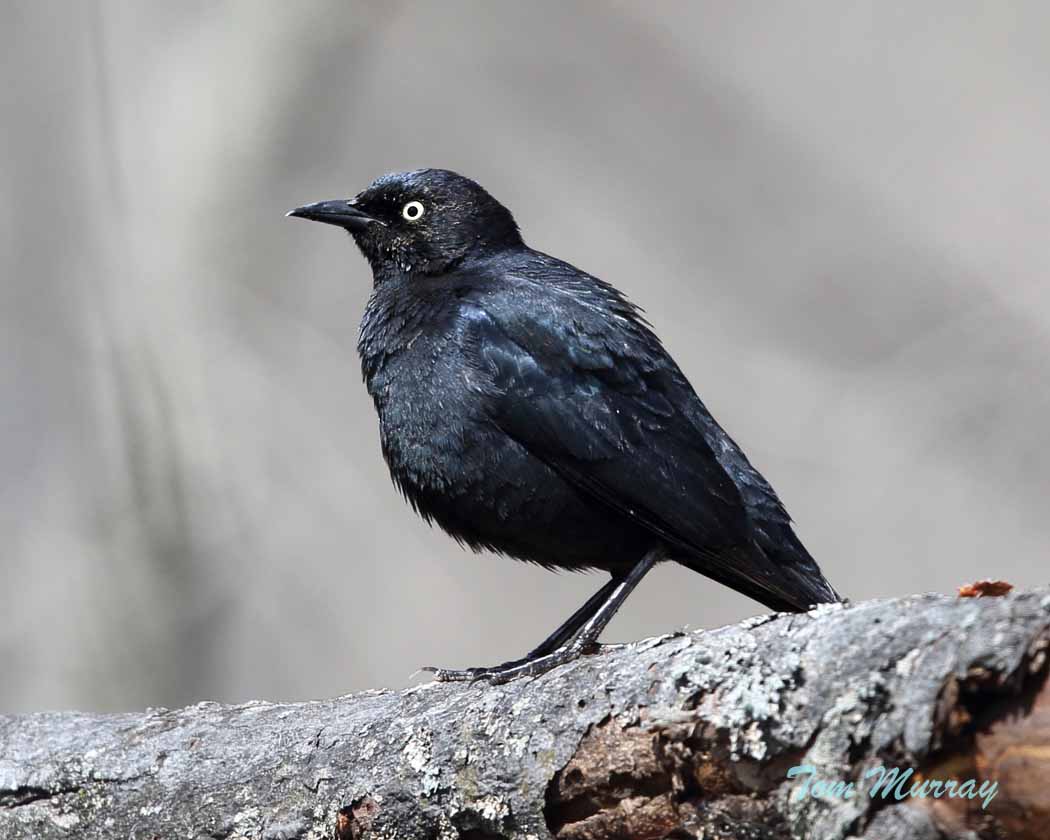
554,641
560,636
568,641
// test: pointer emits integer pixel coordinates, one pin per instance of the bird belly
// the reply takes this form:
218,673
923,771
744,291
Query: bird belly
480,485
488,492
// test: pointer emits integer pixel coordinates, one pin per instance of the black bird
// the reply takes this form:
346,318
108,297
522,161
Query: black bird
529,409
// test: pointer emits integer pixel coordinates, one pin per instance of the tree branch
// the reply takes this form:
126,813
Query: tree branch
687,735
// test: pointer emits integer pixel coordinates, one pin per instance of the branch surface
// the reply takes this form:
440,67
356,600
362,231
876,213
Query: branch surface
686,735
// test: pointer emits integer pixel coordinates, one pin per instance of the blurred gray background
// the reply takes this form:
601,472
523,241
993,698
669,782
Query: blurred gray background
835,215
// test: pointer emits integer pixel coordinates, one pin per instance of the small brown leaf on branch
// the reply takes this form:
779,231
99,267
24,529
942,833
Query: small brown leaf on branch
985,589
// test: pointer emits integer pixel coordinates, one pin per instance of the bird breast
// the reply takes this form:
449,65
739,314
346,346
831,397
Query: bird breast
428,407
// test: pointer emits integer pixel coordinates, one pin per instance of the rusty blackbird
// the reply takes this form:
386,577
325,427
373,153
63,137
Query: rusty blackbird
529,409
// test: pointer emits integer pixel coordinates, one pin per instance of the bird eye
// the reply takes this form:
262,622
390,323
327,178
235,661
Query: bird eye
412,211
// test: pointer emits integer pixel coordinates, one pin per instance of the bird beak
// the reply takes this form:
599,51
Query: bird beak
342,213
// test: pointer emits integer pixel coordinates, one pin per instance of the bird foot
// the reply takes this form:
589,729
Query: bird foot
499,674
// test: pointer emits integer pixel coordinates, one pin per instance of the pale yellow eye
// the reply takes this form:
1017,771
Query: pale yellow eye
412,211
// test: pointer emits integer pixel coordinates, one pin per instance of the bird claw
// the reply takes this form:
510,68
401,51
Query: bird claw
453,675
499,674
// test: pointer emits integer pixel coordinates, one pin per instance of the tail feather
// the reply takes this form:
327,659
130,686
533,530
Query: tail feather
780,573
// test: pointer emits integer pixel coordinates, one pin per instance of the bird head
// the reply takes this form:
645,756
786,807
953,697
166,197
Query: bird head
420,222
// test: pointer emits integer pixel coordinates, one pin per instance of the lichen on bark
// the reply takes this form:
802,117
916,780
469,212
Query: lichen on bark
686,735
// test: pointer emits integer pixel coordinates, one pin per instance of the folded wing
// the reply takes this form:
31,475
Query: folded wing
584,385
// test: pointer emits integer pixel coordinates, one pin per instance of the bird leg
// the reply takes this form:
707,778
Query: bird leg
570,640
569,629
554,641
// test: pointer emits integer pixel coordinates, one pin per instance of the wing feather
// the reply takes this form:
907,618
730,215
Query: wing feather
574,374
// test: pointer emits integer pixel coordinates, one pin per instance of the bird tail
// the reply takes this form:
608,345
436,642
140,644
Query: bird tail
776,571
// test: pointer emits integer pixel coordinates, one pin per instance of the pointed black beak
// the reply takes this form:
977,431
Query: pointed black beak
342,213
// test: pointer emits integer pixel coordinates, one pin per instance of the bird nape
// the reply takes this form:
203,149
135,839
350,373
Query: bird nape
529,409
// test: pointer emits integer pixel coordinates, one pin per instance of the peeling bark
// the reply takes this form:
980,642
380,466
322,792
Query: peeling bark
682,736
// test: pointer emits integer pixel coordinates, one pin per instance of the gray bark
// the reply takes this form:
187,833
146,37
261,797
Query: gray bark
686,735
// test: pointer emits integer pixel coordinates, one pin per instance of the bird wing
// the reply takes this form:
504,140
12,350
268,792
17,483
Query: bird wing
569,369
576,378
